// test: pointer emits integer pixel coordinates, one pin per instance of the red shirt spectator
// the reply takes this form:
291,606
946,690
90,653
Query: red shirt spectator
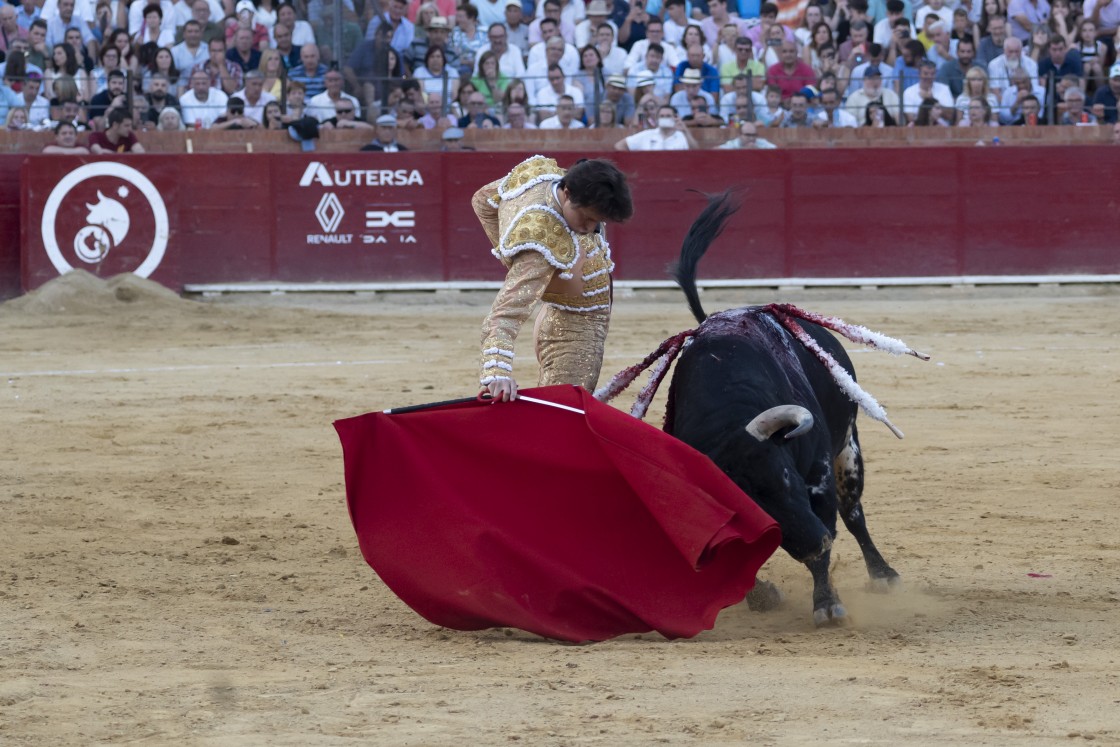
790,74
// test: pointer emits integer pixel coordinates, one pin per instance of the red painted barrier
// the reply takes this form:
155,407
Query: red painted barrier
406,216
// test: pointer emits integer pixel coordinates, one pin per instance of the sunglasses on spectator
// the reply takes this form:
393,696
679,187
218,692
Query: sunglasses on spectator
344,111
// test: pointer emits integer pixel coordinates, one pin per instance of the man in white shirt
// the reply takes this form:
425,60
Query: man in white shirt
690,88
565,117
831,115
322,105
613,56
585,29
518,119
654,68
256,98
927,87
510,62
670,134
202,103
1012,59
190,53
536,76
655,34
551,30
549,96
872,90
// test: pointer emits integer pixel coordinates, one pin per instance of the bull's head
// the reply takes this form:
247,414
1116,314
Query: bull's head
769,422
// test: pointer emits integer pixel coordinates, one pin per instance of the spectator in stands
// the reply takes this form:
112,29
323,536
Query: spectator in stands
905,72
1014,95
434,117
1025,15
536,75
65,140
435,72
740,96
1075,113
477,116
620,98
558,86
565,116
747,139
743,63
159,98
659,74
1094,54
1060,62
54,30
255,97
129,62
1001,68
508,58
491,82
822,37
242,53
273,118
324,105
310,71
223,75
113,97
569,59
296,105
234,117
876,116
516,93
1106,97
467,37
798,111
942,46
346,116
71,111
613,56
871,90
952,72
517,118
700,115
516,27
979,114
590,76
64,63
9,26
398,30
670,134
117,137
690,88
709,75
767,18
285,48
790,74
1116,134
245,18
831,114
991,45
16,119
202,104
162,62
153,29
201,14
385,136
772,114
927,87
301,31
670,52
1030,113
270,69
884,30
191,52
38,51
635,25
930,114
975,86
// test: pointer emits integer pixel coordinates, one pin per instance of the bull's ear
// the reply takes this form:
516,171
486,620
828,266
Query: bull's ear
769,422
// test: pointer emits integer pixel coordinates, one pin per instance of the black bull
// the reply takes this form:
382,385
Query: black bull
750,391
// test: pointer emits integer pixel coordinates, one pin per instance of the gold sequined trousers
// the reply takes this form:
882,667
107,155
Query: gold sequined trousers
570,346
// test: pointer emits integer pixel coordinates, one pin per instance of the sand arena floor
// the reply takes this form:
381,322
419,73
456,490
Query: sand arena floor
177,565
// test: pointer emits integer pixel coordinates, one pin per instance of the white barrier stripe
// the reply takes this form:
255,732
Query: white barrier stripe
196,367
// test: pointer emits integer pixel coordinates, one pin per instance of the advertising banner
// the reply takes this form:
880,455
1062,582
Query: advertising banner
358,217
105,217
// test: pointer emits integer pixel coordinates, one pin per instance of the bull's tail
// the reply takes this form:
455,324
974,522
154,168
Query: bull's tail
704,230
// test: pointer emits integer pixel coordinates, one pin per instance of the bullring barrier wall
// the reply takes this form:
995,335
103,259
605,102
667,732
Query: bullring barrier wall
406,217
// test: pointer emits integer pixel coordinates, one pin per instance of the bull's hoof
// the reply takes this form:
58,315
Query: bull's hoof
834,614
885,584
764,597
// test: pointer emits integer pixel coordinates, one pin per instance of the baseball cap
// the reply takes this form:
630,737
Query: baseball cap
245,5
873,70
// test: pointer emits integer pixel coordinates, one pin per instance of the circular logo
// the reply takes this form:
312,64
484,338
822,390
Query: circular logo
108,219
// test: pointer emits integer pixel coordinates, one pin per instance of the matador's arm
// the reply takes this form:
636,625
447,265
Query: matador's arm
525,283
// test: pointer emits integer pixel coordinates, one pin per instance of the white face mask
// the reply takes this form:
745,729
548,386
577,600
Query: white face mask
666,123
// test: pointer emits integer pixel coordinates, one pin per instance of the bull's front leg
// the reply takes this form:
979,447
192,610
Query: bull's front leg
827,607
849,492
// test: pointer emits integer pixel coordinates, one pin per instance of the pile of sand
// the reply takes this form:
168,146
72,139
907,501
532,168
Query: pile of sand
79,292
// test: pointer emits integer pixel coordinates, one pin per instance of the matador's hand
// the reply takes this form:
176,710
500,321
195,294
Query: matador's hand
501,390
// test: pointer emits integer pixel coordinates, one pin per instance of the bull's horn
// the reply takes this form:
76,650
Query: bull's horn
769,422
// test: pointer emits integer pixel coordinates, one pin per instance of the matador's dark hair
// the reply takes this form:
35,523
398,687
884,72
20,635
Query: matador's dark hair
597,183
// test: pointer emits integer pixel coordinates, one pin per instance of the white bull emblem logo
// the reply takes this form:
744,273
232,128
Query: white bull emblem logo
106,226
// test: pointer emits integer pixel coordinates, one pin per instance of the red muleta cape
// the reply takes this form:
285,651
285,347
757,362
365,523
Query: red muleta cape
579,527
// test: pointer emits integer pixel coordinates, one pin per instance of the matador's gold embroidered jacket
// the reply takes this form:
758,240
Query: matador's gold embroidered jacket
546,260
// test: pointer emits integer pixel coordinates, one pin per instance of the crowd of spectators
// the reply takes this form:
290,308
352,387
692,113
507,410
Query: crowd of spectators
658,67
